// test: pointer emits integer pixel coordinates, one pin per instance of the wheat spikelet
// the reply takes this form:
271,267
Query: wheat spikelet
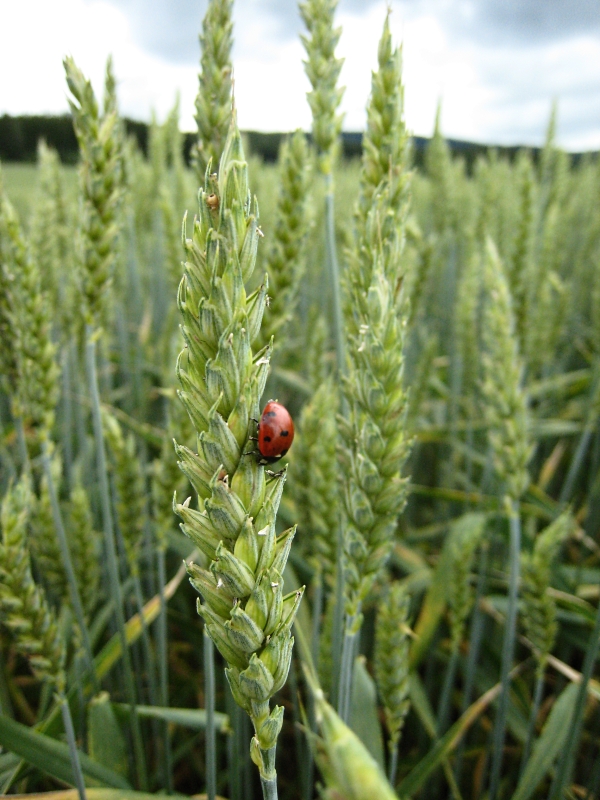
323,70
391,659
23,606
101,189
213,102
539,608
314,481
246,613
284,262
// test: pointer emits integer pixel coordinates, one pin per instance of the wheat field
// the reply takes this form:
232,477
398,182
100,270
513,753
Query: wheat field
407,603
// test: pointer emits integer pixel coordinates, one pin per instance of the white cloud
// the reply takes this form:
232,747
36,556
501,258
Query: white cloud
491,91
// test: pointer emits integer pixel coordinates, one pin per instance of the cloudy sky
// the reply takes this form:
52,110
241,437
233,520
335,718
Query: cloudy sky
496,65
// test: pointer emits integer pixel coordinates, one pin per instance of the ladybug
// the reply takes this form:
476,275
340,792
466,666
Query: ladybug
275,432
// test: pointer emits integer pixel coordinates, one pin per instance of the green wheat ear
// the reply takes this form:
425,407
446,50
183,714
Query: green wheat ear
539,608
43,542
385,143
215,91
391,659
51,240
101,175
23,606
247,615
84,542
323,70
285,258
28,354
314,481
506,404
130,488
466,538
376,443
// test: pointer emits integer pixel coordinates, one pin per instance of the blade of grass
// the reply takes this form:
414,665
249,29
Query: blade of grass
444,746
72,745
567,761
549,745
194,718
163,666
51,756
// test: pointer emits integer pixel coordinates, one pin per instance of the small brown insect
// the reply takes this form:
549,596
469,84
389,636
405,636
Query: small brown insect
212,201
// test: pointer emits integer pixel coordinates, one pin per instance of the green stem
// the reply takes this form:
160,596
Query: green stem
235,748
576,463
567,759
317,612
347,669
111,555
334,273
338,615
79,408
393,763
475,638
163,666
445,698
68,564
535,708
148,658
209,704
316,632
508,647
268,781
67,432
73,752
302,756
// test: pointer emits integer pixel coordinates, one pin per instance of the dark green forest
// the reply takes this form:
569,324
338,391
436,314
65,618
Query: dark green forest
19,137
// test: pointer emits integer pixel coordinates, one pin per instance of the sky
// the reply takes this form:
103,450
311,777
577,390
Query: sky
496,66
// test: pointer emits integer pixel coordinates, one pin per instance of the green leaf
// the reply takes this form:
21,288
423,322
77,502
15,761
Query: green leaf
52,757
550,743
106,741
434,604
364,719
444,746
111,652
421,705
187,717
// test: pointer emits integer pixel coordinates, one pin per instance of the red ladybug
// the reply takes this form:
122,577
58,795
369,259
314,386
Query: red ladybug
275,432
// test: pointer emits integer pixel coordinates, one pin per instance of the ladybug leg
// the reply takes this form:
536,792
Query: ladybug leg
272,474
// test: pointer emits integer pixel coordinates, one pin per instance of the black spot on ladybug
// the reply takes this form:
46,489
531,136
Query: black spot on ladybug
267,438
270,414
284,433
